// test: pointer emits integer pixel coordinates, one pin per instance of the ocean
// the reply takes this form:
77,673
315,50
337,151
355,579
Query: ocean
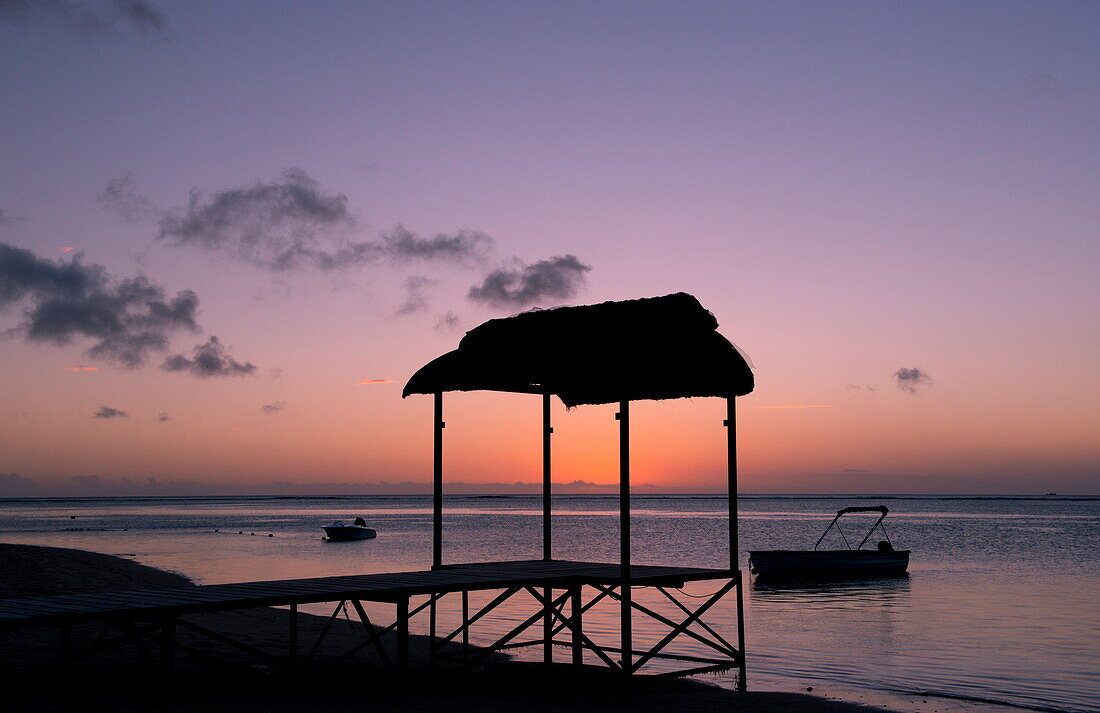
1002,601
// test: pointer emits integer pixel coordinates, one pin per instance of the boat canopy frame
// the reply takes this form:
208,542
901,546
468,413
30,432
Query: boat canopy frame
878,524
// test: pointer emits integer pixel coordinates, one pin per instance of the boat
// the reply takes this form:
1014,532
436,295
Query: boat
815,564
339,532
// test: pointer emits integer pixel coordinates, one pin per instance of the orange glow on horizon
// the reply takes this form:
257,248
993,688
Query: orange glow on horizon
368,382
81,367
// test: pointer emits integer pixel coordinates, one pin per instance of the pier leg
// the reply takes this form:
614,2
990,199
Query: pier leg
465,626
403,634
548,628
292,659
431,631
741,684
168,644
578,612
625,609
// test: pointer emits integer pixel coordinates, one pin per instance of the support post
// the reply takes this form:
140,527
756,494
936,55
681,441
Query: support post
625,609
431,630
741,670
465,625
403,634
578,612
437,484
731,476
293,658
547,432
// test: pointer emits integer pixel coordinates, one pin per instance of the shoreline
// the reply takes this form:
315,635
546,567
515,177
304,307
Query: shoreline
27,570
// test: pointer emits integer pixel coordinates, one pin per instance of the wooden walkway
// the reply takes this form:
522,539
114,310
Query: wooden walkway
147,605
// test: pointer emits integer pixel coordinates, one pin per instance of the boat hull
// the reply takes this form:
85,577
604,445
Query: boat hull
347,533
827,564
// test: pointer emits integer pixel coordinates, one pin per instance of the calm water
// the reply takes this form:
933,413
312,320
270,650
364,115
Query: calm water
1001,603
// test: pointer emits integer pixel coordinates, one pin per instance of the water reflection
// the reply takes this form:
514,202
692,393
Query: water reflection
859,591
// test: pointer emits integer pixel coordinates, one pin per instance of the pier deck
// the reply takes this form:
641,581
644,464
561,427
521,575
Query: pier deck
388,587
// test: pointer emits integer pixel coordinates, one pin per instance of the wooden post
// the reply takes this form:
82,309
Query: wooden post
293,635
548,617
731,475
578,611
625,626
466,625
431,630
403,634
547,431
437,484
741,686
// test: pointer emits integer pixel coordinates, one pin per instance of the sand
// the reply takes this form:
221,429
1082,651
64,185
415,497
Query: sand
216,678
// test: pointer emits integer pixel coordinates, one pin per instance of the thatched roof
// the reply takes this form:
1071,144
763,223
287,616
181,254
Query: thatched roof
656,348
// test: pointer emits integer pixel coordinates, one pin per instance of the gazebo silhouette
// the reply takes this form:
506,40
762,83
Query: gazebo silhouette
615,352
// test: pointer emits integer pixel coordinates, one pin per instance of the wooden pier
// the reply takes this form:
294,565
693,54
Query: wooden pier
564,591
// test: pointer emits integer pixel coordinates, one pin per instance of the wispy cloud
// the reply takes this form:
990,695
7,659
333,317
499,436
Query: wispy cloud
370,382
7,218
416,294
557,278
464,247
910,378
109,412
448,322
208,360
163,417
273,407
279,225
121,198
103,18
66,300
81,367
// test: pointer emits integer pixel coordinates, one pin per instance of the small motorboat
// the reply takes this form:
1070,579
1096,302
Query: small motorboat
815,564
339,532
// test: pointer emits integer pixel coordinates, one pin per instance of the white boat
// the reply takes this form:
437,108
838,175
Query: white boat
884,561
339,532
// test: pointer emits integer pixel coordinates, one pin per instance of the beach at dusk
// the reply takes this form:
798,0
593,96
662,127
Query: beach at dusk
550,356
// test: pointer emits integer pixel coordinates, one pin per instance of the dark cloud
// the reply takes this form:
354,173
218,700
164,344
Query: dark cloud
273,407
279,225
164,417
557,278
121,197
857,387
66,300
15,485
416,294
448,322
108,412
208,360
909,378
464,247
105,18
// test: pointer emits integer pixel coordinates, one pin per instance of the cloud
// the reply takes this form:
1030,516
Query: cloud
857,387
81,367
108,412
273,407
104,18
208,360
120,197
163,417
13,485
464,247
66,300
369,382
557,278
448,322
909,378
278,225
7,218
416,297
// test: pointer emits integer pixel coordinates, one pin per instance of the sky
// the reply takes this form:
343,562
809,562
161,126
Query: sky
230,232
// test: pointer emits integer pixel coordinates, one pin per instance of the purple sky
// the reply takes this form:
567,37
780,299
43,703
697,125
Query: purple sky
852,188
